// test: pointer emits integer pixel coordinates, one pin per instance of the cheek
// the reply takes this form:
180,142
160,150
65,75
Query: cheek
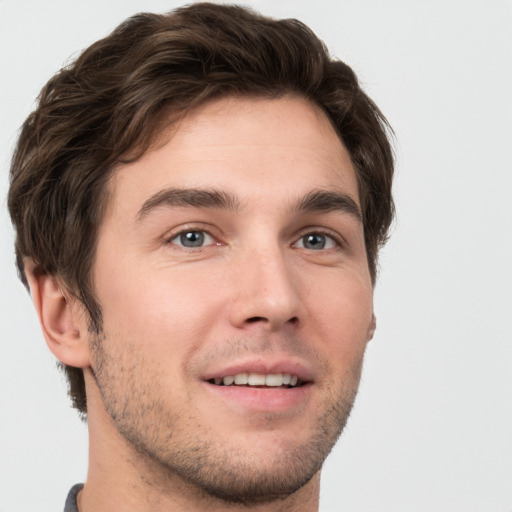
158,305
342,313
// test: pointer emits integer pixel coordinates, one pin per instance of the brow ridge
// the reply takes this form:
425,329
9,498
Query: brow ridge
314,201
193,197
327,201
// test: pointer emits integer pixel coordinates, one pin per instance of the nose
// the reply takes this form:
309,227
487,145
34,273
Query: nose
266,292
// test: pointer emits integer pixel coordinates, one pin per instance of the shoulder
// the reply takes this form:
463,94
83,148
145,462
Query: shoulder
70,505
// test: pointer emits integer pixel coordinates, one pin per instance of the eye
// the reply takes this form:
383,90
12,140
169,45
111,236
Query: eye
192,238
316,242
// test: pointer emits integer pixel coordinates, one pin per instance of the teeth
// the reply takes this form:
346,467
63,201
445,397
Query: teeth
227,381
274,380
241,379
256,379
259,379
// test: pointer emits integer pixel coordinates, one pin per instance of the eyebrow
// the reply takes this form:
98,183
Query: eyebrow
198,198
329,201
315,201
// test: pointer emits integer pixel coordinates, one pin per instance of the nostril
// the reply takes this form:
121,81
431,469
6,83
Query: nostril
255,319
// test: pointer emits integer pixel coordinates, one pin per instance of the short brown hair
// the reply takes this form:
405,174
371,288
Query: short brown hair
105,108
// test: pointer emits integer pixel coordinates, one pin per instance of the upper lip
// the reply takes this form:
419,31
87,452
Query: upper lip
263,365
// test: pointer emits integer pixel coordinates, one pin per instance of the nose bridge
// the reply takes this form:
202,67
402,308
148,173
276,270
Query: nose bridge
267,292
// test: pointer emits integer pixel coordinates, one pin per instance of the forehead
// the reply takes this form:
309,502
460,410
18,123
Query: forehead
254,148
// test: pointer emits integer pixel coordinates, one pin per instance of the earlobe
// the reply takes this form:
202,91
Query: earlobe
372,327
62,321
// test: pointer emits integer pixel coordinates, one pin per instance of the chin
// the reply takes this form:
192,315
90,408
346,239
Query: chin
251,473
249,480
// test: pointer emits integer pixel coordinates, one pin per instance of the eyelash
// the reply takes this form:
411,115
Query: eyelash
170,239
327,235
336,239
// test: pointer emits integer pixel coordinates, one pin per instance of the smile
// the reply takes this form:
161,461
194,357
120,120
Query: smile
274,380
262,386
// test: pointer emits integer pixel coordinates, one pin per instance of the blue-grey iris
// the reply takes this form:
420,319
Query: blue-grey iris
192,239
314,241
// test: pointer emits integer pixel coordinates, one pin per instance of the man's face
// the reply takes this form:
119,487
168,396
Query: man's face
234,251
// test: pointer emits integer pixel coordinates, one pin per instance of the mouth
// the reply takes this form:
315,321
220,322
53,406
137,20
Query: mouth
276,384
259,380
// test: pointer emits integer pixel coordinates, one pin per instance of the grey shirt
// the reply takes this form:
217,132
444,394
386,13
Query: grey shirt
70,505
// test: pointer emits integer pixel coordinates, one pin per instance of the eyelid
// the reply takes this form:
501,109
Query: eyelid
197,227
207,229
336,237
208,239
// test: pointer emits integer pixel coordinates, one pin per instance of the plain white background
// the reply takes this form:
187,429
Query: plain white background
432,427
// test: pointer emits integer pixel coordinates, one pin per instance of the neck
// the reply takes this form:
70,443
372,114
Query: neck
99,496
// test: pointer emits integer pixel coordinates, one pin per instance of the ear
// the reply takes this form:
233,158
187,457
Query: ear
372,327
62,319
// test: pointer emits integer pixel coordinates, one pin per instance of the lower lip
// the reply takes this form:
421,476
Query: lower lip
262,399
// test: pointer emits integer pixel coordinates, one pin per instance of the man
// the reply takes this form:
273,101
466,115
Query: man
199,201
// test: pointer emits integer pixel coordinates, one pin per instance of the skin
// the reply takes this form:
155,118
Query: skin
276,285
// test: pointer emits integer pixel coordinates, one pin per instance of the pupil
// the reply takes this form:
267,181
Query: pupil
192,239
314,241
